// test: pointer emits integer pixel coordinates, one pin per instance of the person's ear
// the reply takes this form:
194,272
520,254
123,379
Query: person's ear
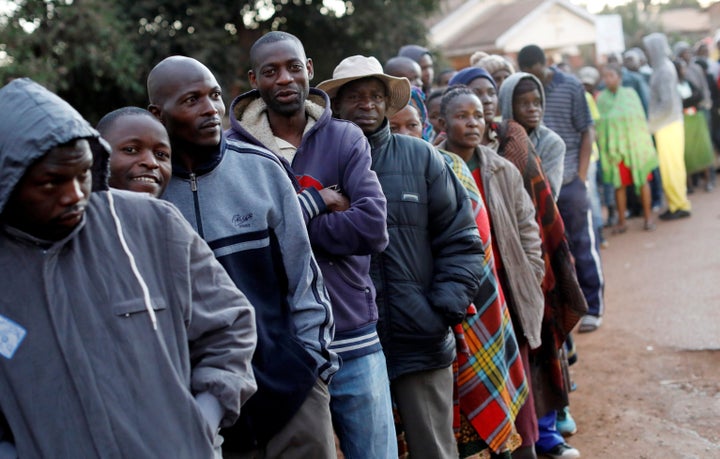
252,79
155,110
310,69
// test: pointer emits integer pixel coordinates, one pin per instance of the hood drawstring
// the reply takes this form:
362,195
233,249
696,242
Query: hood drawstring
133,265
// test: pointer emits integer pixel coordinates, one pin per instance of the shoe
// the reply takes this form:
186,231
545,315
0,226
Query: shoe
565,424
589,324
667,215
709,187
562,451
649,226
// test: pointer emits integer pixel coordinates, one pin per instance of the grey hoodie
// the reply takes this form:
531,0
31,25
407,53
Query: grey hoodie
665,106
126,338
548,145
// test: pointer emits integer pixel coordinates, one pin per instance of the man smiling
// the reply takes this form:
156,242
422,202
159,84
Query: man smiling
140,150
344,209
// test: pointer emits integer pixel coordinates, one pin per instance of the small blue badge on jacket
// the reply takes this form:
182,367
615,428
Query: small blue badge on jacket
413,197
11,335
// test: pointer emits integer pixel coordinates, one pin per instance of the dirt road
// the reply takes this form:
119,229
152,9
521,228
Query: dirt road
649,378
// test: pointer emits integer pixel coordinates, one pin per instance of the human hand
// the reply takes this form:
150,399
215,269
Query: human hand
334,200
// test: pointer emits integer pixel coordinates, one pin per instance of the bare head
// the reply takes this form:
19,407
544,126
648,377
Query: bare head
187,99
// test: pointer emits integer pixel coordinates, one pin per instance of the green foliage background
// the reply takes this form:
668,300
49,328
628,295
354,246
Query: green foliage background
96,53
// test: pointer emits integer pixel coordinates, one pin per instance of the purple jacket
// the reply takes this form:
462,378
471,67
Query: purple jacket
332,152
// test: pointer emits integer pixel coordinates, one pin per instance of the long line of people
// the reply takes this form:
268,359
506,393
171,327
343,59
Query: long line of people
416,260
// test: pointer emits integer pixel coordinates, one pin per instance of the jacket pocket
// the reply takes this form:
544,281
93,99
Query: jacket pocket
137,305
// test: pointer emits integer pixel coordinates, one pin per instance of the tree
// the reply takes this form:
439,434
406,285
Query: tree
79,50
97,53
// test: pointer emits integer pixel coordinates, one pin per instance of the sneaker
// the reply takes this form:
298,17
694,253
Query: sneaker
565,424
589,324
562,451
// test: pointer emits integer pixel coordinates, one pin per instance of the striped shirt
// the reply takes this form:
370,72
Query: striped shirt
567,113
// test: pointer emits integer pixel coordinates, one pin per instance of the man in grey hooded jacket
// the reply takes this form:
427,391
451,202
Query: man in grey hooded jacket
665,120
121,336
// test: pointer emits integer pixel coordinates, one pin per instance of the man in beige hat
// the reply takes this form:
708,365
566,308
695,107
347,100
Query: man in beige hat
431,269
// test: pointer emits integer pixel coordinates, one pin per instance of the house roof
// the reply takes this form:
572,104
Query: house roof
685,20
485,25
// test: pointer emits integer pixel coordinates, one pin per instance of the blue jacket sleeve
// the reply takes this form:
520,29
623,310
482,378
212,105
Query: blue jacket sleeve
458,254
361,229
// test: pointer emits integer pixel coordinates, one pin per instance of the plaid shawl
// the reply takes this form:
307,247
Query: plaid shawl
491,385
564,300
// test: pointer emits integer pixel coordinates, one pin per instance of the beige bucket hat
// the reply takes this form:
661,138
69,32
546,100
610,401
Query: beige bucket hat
356,67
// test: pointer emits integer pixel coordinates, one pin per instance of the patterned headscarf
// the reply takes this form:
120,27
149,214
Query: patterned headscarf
417,100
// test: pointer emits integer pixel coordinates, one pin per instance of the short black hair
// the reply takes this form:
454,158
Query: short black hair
272,37
451,93
530,55
109,119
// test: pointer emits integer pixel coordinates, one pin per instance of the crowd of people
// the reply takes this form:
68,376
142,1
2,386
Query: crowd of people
385,265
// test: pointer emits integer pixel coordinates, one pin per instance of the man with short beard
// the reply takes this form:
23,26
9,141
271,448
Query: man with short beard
344,208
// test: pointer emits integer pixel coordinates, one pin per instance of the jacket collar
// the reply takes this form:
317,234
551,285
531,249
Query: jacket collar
380,137
210,162
249,117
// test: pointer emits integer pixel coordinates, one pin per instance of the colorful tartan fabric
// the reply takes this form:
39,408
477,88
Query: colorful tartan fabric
490,379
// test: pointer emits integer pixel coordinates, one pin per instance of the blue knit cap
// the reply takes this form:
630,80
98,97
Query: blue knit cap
468,74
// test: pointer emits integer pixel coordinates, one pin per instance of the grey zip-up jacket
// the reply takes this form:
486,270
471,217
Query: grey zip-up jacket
83,371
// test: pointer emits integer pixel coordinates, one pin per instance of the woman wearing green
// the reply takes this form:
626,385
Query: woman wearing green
627,153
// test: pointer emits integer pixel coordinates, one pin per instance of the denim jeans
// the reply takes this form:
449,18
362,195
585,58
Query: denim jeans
361,408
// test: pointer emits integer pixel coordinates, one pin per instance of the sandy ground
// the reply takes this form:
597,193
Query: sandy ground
649,378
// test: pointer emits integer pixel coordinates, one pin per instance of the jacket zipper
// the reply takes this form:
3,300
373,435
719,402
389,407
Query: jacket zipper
196,201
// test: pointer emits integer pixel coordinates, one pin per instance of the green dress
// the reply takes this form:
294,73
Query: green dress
623,135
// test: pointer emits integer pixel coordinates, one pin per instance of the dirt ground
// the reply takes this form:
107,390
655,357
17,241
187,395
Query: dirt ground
649,378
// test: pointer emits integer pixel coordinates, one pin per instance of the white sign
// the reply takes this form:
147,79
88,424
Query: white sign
610,38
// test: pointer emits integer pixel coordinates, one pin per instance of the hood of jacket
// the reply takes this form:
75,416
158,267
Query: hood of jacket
33,121
507,90
658,49
249,109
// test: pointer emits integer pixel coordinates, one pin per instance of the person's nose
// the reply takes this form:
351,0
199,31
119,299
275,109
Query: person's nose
366,103
209,106
149,160
73,193
284,77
